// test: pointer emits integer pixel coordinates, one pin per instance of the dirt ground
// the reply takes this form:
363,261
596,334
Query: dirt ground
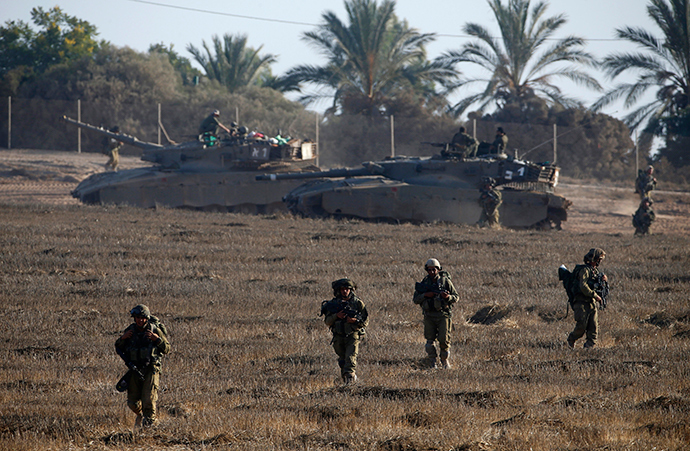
47,177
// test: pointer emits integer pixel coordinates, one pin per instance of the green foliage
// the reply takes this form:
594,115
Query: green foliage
60,39
370,61
232,63
522,64
662,64
182,65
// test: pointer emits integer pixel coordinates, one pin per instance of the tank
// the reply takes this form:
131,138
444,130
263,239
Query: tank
220,176
427,189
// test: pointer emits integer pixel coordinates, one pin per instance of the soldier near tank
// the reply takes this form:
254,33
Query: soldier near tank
490,199
210,127
436,295
142,346
645,182
643,217
585,299
500,143
463,145
111,148
347,317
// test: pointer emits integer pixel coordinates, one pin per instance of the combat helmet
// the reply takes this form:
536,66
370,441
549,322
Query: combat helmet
141,311
488,181
340,283
595,255
432,262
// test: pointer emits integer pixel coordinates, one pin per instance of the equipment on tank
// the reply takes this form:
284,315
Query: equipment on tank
426,189
217,175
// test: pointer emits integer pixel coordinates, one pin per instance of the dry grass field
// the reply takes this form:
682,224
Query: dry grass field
251,366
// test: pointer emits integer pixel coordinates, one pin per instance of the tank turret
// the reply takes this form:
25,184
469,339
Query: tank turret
431,189
196,174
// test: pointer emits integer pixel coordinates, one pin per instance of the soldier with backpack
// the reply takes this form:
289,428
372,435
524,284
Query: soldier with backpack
347,317
585,298
436,295
142,346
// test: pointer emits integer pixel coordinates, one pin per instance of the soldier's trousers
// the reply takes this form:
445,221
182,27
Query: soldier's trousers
586,322
347,348
143,395
438,328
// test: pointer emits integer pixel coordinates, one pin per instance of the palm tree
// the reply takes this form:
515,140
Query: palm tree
663,64
522,64
234,64
370,60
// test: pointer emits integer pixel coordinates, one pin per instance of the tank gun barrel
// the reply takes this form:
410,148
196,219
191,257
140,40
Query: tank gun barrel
127,139
372,169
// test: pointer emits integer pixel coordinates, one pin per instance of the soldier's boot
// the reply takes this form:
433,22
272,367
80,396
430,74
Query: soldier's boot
571,342
431,351
137,422
350,379
588,344
445,364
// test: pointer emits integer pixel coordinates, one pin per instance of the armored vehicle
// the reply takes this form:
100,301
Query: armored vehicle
426,189
219,175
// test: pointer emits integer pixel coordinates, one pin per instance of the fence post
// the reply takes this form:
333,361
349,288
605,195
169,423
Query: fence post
318,145
9,123
79,128
555,137
159,124
474,128
392,136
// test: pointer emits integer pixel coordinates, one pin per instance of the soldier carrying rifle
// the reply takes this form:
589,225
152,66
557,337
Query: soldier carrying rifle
142,346
347,317
490,199
585,298
436,295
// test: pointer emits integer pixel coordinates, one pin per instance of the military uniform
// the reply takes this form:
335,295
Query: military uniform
112,150
437,311
347,318
489,199
500,143
645,183
643,217
146,355
584,303
463,145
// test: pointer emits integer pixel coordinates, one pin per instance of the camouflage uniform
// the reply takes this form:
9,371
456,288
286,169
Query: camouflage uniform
643,217
347,330
500,143
437,310
146,355
645,183
463,145
112,150
584,304
489,199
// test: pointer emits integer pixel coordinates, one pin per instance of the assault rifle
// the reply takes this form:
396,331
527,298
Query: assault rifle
329,307
133,371
435,288
601,287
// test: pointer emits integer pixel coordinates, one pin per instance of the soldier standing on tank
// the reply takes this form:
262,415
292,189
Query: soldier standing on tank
490,199
584,303
500,143
210,127
645,182
112,149
643,217
142,346
347,317
436,295
463,144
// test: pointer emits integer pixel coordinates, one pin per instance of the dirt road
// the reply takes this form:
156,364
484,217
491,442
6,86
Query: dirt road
47,177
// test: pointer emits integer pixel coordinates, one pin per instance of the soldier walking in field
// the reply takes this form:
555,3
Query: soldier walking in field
645,182
347,317
111,148
644,217
142,346
436,295
585,298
